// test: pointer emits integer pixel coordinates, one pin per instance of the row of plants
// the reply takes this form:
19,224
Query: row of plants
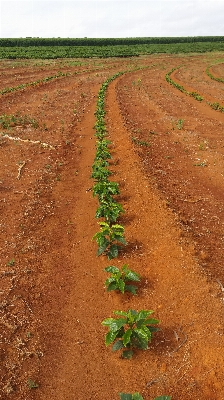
208,72
8,121
35,83
180,87
214,106
106,50
129,329
38,41
42,81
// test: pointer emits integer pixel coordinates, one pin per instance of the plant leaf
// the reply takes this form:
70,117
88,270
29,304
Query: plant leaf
109,338
112,286
163,398
143,314
118,345
127,354
122,313
111,269
131,288
114,324
113,251
127,337
125,396
132,276
137,396
121,285
142,338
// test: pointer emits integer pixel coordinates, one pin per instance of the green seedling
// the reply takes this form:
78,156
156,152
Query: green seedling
180,124
109,239
11,263
110,210
32,384
131,330
118,279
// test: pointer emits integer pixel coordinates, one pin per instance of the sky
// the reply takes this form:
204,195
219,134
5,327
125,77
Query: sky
108,18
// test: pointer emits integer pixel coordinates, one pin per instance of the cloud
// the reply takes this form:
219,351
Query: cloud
107,18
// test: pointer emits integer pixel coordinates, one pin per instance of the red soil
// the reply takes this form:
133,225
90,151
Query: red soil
168,158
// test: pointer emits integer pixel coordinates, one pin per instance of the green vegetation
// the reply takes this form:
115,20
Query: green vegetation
51,48
118,279
9,121
133,330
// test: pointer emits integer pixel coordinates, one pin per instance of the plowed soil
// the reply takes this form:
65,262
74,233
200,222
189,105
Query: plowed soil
168,158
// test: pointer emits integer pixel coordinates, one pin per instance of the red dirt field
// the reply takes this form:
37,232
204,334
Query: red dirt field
168,158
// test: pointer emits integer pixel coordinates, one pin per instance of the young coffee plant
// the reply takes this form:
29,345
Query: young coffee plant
137,396
110,210
118,279
131,330
109,239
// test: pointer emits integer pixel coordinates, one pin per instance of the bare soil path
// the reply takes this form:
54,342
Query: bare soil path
53,298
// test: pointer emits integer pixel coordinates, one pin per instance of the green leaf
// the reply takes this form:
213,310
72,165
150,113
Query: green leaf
151,321
137,396
121,285
127,337
142,338
113,251
143,314
111,269
114,324
131,288
125,396
101,250
107,321
122,313
120,239
132,276
127,354
118,345
163,398
112,286
109,338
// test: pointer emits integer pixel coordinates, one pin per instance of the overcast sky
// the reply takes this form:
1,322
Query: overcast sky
108,18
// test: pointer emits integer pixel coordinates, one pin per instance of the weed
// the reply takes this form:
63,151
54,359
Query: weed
180,124
140,142
11,263
118,279
133,330
32,384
